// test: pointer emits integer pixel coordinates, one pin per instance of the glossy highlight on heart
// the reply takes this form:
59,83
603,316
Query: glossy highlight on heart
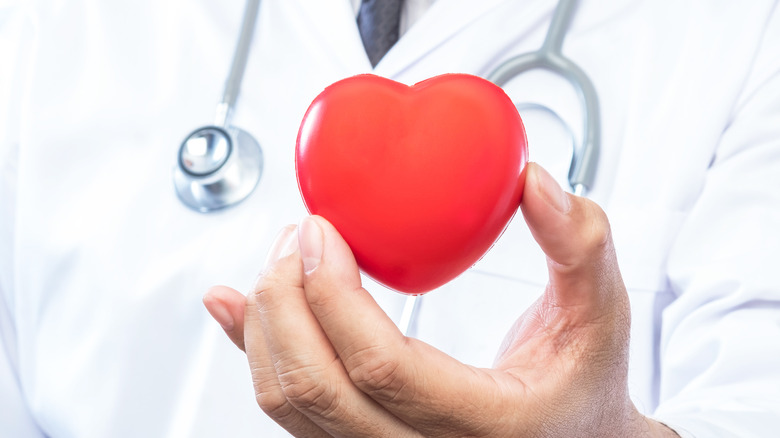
420,181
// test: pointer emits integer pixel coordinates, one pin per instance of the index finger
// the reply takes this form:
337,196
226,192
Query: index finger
418,383
308,373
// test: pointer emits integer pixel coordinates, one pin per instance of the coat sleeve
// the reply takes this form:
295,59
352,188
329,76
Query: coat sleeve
16,39
720,339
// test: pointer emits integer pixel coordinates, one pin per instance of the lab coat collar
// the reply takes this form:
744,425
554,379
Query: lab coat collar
340,38
444,19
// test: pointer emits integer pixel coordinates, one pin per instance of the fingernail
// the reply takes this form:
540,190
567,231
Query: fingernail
285,244
310,238
552,191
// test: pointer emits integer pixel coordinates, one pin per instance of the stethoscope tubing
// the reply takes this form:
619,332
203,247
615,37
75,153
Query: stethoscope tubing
238,64
582,171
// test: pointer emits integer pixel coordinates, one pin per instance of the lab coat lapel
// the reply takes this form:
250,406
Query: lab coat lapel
333,23
444,19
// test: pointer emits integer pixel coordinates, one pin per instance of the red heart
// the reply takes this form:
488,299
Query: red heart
420,181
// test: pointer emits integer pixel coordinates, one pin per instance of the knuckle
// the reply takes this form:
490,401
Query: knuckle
598,233
280,274
274,404
377,373
271,287
319,299
268,280
268,394
266,284
307,390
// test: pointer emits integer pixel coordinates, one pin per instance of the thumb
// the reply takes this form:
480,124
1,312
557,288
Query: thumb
575,235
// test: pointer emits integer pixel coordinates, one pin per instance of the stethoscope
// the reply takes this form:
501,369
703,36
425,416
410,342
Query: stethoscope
220,165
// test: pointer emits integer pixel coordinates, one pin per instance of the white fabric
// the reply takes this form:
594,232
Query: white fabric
102,269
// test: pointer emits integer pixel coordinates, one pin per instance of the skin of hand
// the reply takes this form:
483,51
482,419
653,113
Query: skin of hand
327,361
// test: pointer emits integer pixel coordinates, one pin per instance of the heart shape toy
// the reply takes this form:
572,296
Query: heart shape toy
420,181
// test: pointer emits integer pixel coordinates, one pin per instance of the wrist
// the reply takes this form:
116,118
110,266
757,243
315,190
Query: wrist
660,429
647,427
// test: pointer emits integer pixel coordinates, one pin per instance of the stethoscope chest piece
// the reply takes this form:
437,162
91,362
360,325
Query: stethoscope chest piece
217,168
220,165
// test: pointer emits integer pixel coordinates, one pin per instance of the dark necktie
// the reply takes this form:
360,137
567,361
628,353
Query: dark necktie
378,22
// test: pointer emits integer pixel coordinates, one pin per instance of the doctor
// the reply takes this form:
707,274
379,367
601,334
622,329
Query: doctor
102,268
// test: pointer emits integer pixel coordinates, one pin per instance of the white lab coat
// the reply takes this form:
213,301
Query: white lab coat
102,268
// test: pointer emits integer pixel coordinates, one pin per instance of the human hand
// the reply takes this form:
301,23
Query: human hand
327,361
